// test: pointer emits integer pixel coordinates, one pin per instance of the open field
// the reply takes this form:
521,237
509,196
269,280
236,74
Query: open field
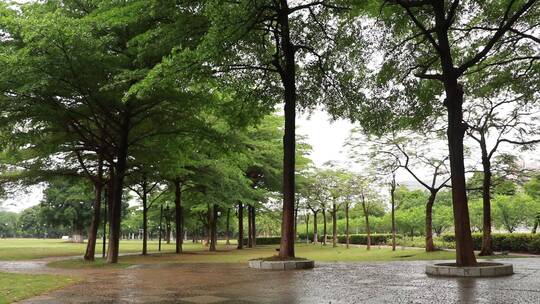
229,254
27,249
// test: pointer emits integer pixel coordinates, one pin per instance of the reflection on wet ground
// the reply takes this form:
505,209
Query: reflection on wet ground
390,282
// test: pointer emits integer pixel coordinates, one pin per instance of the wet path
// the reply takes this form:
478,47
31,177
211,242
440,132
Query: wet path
390,282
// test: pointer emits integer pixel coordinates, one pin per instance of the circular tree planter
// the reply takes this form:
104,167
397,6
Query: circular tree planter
482,269
273,264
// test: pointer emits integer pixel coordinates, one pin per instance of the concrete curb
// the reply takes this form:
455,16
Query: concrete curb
281,265
482,270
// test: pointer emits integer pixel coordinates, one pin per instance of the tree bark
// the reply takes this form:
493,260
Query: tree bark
455,133
240,226
456,130
250,227
315,232
228,232
116,208
429,222
106,217
347,240
178,214
334,225
288,75
368,230
145,223
94,225
307,228
253,228
393,203
160,226
535,226
487,248
324,227
213,228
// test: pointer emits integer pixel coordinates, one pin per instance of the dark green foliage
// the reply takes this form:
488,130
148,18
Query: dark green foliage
515,242
269,240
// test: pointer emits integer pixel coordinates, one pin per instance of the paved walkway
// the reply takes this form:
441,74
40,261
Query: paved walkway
388,282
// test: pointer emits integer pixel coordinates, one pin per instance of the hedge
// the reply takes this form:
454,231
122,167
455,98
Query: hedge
359,239
517,242
270,240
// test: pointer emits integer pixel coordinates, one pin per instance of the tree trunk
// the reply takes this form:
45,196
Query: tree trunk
296,219
178,214
288,76
228,232
145,224
315,232
347,240
324,227
487,248
307,228
213,228
106,217
250,226
160,226
116,208
334,225
368,230
253,228
167,225
92,232
456,131
240,226
393,203
429,222
535,226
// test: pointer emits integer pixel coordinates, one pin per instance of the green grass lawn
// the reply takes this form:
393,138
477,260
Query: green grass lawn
27,249
229,255
15,287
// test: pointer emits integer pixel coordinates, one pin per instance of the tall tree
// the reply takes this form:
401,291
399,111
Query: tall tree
433,47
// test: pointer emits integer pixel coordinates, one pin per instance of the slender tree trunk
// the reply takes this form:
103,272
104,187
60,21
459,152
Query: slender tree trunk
487,248
535,226
324,227
347,240
160,226
92,232
116,208
253,227
334,225
393,203
368,229
106,217
178,214
167,226
250,227
296,219
240,226
213,228
315,232
228,232
145,223
429,222
307,228
288,76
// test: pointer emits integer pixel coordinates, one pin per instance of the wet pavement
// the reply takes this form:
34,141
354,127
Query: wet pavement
387,282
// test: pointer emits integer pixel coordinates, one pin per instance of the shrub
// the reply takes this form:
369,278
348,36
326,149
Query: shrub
517,242
270,240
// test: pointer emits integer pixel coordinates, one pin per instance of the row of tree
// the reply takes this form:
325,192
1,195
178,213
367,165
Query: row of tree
139,89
